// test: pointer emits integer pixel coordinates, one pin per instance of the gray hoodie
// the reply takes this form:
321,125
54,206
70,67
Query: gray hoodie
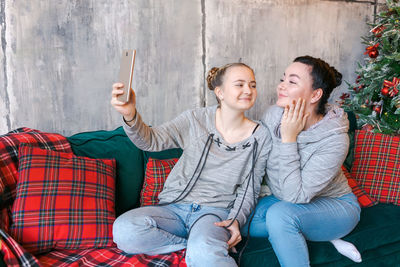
311,167
223,181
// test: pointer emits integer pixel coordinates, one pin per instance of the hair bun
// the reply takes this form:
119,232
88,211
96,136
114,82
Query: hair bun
211,77
338,77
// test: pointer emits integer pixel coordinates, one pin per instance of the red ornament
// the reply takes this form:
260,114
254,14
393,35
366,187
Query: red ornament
358,79
385,91
377,109
372,51
373,54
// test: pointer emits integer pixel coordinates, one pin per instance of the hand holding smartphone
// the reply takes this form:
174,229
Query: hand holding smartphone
126,73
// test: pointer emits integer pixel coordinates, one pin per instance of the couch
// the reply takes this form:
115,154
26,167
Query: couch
377,236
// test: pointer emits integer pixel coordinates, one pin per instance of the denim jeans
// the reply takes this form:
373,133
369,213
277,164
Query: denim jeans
163,229
288,225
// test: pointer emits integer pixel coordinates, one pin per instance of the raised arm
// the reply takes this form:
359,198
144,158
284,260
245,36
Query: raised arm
300,184
168,135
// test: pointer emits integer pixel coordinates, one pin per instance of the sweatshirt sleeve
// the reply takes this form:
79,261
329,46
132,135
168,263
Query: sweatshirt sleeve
248,192
300,184
171,134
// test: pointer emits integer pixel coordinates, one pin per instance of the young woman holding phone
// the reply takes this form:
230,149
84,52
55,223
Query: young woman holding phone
213,187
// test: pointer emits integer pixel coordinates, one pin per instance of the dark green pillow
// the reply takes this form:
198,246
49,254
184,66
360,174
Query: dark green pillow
115,144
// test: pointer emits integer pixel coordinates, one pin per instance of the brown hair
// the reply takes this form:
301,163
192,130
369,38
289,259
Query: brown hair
324,76
216,75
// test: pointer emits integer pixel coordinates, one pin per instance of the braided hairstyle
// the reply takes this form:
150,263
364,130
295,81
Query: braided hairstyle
215,76
324,76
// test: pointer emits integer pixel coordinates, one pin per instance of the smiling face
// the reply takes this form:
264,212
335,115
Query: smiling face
295,83
238,90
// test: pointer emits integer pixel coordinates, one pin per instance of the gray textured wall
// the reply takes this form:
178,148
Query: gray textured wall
58,59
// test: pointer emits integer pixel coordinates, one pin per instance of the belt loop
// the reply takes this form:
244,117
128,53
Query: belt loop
195,207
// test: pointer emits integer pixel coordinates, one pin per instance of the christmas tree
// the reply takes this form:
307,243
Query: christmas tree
374,96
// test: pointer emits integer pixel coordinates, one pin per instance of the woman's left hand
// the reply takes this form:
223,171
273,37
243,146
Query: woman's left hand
234,230
293,121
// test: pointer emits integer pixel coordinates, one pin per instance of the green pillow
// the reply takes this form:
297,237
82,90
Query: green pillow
115,144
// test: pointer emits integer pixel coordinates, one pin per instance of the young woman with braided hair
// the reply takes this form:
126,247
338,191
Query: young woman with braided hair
213,187
311,199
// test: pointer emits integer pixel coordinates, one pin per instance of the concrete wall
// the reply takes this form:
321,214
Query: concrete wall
58,59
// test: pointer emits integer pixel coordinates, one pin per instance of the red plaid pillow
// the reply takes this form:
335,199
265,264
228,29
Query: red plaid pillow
157,171
376,165
9,144
363,198
63,201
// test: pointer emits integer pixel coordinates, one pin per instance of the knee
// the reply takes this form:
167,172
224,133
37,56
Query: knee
206,250
129,233
280,217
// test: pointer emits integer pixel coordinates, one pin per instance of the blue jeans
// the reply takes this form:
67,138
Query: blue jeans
288,225
163,229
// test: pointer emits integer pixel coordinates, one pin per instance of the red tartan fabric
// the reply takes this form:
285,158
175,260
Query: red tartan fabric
363,198
63,201
376,165
157,171
110,257
14,254
9,144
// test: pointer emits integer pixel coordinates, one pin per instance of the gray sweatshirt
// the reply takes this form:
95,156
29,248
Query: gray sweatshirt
224,178
298,172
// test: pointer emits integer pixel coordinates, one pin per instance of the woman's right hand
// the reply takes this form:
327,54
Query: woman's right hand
128,109
293,121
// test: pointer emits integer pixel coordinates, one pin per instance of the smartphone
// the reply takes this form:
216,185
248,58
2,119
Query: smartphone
126,73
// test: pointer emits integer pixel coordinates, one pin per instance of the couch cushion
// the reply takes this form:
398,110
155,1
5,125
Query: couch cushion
157,171
130,170
377,237
63,201
376,165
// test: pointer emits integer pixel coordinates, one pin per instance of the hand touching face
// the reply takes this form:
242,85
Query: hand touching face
293,121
